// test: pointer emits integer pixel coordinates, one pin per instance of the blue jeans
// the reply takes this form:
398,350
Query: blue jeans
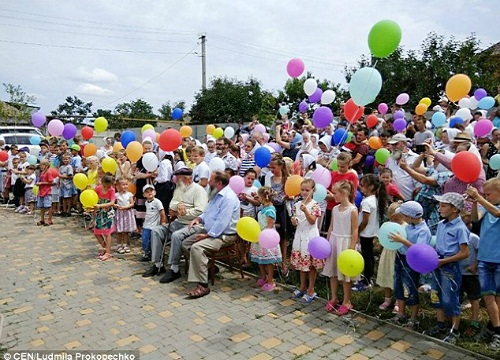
146,241
405,278
447,282
489,278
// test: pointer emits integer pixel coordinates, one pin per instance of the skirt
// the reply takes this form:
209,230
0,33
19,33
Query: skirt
125,221
385,272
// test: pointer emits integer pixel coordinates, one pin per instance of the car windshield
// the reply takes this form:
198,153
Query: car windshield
17,139
13,130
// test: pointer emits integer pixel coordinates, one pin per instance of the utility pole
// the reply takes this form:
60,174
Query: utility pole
203,62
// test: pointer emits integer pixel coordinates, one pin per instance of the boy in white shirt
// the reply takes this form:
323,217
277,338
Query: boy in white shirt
201,171
155,215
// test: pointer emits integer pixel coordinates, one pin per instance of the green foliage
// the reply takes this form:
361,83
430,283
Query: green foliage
73,109
133,114
166,109
19,102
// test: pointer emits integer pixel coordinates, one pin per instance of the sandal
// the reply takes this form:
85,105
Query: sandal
332,305
49,222
40,223
106,256
343,310
199,292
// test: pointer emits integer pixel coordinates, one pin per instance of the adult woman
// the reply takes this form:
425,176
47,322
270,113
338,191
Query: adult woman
108,146
489,147
142,177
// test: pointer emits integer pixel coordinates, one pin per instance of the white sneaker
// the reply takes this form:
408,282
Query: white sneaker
19,208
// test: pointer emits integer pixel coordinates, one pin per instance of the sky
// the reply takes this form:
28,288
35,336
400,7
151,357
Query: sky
111,52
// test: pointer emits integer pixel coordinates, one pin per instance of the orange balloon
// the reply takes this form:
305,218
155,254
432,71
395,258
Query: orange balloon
292,185
157,137
210,129
186,131
375,143
117,146
352,111
421,108
89,150
134,151
132,188
457,87
371,121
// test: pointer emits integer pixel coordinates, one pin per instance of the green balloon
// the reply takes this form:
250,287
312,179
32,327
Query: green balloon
384,38
349,137
334,165
381,155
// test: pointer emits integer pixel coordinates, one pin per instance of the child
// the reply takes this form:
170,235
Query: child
66,185
451,245
201,171
385,273
489,253
104,216
248,207
29,181
45,193
124,217
406,280
307,212
155,215
343,235
266,258
390,188
371,212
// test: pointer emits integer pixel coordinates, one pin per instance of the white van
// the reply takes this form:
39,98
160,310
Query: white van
4,130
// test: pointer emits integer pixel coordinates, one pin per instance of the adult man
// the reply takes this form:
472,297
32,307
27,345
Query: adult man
402,179
215,228
422,133
188,202
360,151
222,146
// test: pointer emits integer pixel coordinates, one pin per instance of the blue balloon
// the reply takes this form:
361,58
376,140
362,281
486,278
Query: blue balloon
35,140
370,160
319,193
339,137
385,230
495,162
486,103
257,184
365,85
456,120
176,113
358,198
262,156
438,119
127,137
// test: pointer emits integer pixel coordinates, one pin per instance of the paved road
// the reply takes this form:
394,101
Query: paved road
55,295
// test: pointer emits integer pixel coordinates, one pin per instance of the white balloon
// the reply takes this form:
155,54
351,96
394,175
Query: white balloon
310,86
473,103
464,113
217,164
328,97
229,132
464,103
150,161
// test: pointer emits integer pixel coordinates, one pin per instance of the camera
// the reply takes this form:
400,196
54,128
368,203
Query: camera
419,149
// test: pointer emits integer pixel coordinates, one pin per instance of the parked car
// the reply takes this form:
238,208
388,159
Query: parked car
22,140
20,129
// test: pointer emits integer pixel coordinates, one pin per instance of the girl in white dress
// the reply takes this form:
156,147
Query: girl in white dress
343,235
307,213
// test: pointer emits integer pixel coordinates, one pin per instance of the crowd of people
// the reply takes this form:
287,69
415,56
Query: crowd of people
187,203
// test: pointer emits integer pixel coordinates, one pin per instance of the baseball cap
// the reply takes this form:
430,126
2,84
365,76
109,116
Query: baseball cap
184,171
397,138
146,187
75,147
452,198
411,209
25,149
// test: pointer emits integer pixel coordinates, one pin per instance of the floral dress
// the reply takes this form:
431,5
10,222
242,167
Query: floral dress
257,253
104,219
300,258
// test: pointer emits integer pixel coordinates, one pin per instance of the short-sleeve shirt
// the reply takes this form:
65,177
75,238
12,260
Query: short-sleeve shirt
369,205
201,171
450,235
123,199
416,234
66,170
153,209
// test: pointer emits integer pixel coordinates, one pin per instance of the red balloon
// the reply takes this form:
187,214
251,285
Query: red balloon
371,121
4,156
87,132
352,111
170,140
466,166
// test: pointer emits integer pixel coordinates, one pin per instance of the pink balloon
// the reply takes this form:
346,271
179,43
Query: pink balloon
382,108
237,184
402,98
150,133
483,127
269,238
55,127
322,176
260,128
275,147
295,67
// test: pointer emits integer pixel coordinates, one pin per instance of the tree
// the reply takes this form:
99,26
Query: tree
166,109
229,100
19,100
73,109
135,113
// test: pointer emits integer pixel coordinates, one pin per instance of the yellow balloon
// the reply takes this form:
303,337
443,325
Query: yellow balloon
35,189
109,165
134,151
89,198
100,124
425,101
186,131
292,185
147,127
217,133
350,263
420,109
248,229
117,146
210,129
457,87
81,181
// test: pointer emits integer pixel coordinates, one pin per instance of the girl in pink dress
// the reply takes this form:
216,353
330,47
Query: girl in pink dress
104,216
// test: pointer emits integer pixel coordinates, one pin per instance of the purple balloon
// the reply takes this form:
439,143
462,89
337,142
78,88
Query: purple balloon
316,97
399,124
480,93
322,117
69,131
399,114
422,258
303,106
483,127
382,108
38,119
319,248
370,160
275,147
